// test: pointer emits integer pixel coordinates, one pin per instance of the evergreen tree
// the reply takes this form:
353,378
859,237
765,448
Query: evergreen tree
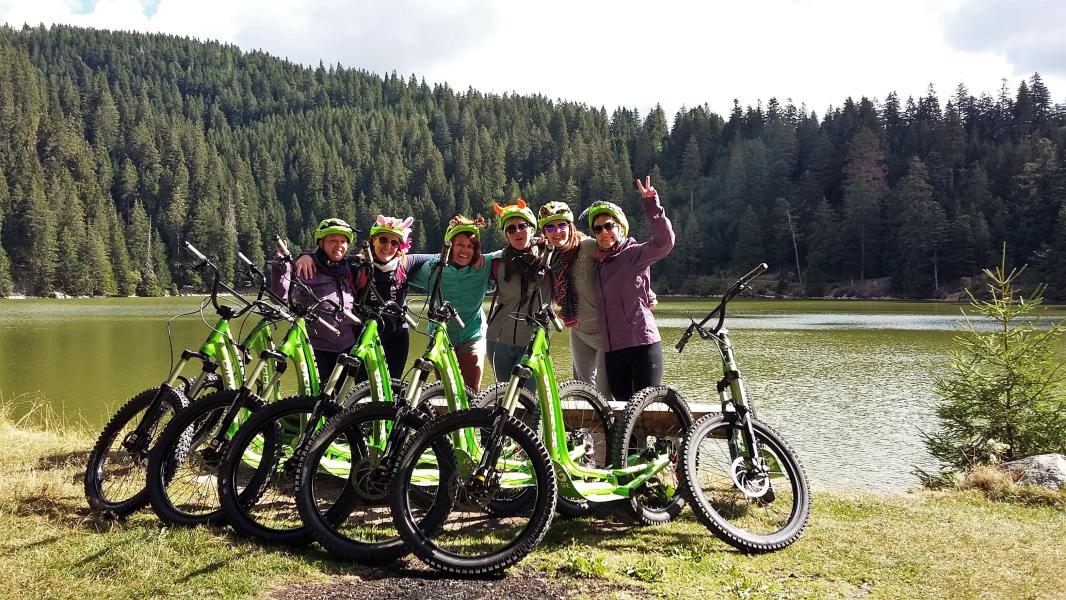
42,260
209,140
920,229
139,243
1040,189
72,274
7,286
691,170
1002,398
864,186
823,256
782,243
101,273
749,250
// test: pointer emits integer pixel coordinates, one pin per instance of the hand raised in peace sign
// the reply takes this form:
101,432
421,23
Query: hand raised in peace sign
646,191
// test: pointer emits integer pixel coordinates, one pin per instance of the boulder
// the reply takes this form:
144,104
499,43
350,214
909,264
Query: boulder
1044,470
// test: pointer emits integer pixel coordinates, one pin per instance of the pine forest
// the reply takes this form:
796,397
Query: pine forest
117,147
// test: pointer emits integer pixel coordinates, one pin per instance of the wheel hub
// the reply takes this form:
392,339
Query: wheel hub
368,481
752,481
581,439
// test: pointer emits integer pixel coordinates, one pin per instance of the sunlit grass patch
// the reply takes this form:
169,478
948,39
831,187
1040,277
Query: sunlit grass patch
924,545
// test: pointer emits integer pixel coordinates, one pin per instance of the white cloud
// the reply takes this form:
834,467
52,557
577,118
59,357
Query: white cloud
609,54
1031,34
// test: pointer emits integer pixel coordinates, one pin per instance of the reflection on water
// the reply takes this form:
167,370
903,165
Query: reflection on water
848,384
851,403
955,323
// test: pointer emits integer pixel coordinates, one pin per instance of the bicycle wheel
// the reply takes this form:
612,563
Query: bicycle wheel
190,496
473,540
262,451
433,401
211,383
360,392
587,418
115,472
344,503
526,410
752,508
654,422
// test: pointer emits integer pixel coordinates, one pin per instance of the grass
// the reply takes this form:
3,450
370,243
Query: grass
922,545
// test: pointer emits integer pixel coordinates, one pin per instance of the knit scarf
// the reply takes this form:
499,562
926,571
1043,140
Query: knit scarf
522,263
519,262
339,270
564,294
393,284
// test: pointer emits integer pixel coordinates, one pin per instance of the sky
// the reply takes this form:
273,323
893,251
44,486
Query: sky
627,53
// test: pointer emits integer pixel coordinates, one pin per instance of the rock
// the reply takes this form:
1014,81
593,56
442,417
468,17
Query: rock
1044,470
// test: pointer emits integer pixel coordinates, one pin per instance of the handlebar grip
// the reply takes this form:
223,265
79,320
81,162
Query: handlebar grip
680,345
284,247
752,274
322,323
557,323
458,320
364,251
351,318
244,259
445,253
411,322
192,250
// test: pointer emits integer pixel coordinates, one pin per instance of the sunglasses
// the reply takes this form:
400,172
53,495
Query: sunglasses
553,227
608,227
519,227
384,241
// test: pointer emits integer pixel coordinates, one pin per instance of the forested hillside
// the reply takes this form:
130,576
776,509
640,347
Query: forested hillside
115,147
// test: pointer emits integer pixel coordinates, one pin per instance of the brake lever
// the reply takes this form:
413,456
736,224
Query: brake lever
331,307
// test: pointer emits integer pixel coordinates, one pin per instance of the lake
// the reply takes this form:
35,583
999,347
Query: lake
848,383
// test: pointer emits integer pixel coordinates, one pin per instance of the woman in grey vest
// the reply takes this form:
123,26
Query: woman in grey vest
514,272
574,277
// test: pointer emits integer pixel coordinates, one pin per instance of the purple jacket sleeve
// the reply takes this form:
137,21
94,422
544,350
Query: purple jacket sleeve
280,277
662,235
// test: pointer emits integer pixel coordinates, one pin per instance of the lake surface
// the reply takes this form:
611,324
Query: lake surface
847,383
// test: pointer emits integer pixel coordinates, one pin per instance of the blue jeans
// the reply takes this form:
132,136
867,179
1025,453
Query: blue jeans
504,357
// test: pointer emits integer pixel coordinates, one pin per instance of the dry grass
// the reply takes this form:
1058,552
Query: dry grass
1001,485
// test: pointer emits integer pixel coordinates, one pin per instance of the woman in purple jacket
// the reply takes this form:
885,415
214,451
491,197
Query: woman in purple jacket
633,353
332,280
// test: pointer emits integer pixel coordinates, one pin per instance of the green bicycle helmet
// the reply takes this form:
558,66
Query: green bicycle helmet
334,225
518,209
554,211
460,224
603,207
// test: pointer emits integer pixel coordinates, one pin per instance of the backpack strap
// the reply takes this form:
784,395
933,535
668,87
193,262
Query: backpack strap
495,294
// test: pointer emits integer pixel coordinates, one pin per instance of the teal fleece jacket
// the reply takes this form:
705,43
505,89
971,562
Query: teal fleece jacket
464,287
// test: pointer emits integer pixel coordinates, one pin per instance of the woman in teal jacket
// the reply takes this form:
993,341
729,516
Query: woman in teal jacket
464,283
